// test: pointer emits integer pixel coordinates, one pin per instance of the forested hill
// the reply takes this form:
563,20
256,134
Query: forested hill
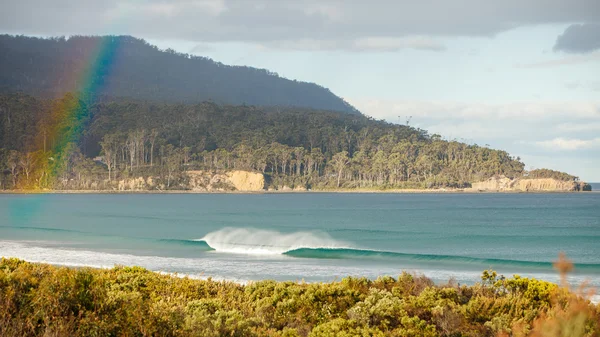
123,66
53,144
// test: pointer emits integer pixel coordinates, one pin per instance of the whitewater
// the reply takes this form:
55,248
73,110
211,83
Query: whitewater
254,241
309,237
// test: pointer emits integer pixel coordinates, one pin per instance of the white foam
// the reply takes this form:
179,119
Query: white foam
228,267
225,268
244,268
253,241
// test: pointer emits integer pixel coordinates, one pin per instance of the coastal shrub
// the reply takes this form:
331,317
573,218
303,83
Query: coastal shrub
208,318
448,320
344,328
536,291
409,284
415,327
380,309
43,300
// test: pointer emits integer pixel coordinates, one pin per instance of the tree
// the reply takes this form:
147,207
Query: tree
317,158
109,149
339,162
299,155
27,163
397,167
12,162
65,161
152,139
42,169
173,161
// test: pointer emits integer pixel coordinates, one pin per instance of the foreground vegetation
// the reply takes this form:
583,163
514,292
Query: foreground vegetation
44,300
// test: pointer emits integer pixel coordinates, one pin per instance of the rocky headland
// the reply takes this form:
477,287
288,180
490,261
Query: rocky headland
505,184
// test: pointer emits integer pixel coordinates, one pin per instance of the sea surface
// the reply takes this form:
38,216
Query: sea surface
309,236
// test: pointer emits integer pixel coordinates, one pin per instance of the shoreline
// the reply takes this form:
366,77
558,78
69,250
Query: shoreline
201,276
335,191
595,299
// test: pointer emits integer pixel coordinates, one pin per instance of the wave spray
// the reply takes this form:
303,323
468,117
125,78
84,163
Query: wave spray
254,241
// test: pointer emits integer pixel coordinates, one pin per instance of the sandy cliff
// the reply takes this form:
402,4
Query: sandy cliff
200,181
246,181
226,181
504,184
136,184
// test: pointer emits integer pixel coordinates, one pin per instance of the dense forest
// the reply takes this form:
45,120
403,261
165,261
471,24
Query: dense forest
124,66
44,300
70,143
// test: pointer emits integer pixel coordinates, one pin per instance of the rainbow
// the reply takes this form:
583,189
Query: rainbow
70,113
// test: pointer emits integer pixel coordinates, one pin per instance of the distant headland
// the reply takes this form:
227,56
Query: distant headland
94,113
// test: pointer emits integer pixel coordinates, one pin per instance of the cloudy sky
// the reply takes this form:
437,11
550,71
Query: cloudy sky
519,75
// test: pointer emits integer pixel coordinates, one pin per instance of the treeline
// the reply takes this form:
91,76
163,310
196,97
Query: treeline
44,300
68,143
124,66
546,173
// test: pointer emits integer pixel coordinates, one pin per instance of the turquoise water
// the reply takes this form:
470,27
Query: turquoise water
314,237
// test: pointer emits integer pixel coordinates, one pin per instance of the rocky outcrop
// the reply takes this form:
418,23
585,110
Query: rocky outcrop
225,181
246,181
550,185
199,181
136,184
500,183
504,184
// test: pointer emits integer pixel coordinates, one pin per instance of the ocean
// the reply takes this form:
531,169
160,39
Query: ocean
309,236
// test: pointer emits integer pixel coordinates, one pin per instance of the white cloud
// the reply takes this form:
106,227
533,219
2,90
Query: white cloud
174,8
380,44
329,11
579,127
517,112
201,48
393,44
272,21
573,85
564,61
561,143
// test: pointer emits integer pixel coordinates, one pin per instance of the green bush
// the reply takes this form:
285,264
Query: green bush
43,300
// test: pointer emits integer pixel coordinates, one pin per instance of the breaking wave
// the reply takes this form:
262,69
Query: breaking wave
253,241
351,253
319,245
202,245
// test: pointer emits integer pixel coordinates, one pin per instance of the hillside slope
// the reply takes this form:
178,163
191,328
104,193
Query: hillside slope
123,66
